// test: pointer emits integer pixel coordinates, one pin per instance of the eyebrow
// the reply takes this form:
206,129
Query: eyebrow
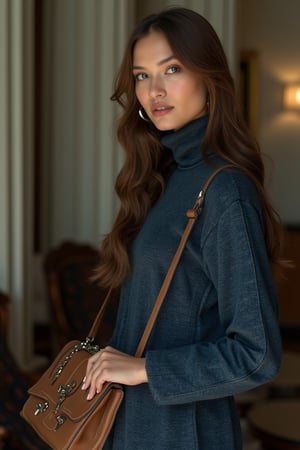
160,63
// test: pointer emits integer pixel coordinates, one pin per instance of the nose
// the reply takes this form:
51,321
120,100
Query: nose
157,87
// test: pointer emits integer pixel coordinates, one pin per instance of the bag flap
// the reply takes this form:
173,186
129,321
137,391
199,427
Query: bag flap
47,386
64,394
77,406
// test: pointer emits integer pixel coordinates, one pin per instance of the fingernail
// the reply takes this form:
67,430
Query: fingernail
88,397
83,387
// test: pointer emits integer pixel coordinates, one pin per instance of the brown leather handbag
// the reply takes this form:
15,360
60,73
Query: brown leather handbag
57,407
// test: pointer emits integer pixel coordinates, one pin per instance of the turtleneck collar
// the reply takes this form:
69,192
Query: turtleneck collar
185,143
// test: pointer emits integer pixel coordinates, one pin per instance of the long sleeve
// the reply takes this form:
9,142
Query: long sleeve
248,352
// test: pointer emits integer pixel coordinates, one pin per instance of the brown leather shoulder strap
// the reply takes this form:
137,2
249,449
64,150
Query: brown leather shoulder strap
192,215
96,325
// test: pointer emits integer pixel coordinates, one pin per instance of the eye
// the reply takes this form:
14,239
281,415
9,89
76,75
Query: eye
172,69
140,76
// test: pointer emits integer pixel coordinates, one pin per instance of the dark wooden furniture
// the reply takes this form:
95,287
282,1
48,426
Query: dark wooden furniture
289,286
276,424
4,301
287,383
74,298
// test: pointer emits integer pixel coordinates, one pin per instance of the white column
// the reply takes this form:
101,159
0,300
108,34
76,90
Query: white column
16,170
4,151
84,42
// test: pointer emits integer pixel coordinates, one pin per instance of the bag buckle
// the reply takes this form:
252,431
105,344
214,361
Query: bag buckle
41,407
60,420
64,390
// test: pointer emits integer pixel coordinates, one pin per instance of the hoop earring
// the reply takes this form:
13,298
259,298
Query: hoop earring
207,104
141,111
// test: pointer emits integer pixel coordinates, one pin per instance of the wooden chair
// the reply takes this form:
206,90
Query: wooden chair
74,299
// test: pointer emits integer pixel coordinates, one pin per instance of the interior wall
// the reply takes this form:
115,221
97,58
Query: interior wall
271,27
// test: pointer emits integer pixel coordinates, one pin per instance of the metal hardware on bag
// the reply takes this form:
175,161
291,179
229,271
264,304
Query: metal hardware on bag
60,421
195,212
197,207
64,391
84,345
41,407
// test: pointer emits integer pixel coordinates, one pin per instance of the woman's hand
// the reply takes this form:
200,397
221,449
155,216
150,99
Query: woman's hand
111,365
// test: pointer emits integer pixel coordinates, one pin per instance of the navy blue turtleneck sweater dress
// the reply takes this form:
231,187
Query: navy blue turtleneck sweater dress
217,332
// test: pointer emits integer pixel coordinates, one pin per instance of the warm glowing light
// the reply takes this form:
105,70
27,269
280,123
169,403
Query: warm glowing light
291,96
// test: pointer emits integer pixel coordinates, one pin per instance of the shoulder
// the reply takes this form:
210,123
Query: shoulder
229,184
230,187
232,184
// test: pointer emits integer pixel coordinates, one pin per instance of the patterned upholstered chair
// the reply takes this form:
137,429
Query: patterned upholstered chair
74,299
15,434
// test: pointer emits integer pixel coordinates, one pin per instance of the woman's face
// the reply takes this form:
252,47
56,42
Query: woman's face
171,94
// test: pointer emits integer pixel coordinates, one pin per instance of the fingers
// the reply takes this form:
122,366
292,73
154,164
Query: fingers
112,365
98,371
93,381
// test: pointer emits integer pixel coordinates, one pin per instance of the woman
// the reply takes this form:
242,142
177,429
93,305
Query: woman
217,333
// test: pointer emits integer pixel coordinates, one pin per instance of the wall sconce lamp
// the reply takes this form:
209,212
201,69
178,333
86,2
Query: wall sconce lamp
291,97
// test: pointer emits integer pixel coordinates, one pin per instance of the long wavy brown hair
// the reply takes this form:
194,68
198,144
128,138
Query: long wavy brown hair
147,165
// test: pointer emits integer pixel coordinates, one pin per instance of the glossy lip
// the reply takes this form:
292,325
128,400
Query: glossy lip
160,109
